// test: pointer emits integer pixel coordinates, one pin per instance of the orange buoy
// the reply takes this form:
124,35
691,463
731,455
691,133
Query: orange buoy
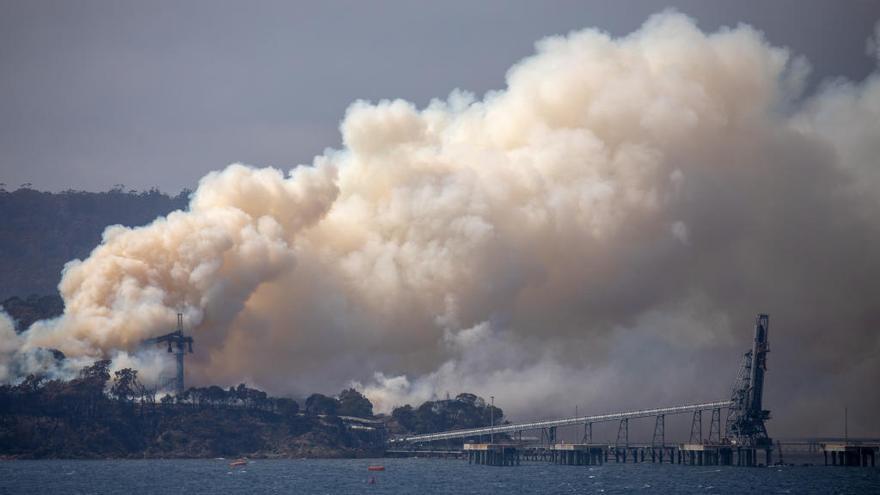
376,468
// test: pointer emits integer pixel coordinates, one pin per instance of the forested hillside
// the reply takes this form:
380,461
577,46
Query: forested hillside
40,231
97,414
25,311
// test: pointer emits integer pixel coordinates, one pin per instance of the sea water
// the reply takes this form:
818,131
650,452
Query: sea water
417,476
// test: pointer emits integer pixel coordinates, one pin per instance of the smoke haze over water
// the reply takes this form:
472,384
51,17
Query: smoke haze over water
600,232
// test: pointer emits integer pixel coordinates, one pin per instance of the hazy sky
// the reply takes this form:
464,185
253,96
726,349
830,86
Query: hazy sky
95,93
618,213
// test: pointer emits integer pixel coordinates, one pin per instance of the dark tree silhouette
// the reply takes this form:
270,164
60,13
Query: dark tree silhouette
321,404
465,411
126,386
83,418
286,407
405,416
353,403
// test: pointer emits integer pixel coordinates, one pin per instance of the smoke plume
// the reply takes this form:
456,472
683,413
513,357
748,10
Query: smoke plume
601,232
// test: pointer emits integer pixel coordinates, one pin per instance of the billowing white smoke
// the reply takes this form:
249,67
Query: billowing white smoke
601,233
9,344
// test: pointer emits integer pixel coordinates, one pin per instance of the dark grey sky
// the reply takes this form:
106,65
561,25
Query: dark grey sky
95,93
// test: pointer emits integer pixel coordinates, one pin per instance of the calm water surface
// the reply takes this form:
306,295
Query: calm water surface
416,476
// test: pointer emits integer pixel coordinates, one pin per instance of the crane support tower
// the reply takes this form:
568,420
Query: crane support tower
179,344
744,433
745,419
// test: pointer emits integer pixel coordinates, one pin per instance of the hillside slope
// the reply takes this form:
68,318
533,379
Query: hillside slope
41,231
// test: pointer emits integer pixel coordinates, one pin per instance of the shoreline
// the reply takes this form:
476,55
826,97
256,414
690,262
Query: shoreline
12,458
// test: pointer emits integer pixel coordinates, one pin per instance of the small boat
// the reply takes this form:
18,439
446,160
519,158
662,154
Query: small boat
376,468
238,463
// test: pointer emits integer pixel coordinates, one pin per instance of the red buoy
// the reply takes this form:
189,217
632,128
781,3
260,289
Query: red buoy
376,468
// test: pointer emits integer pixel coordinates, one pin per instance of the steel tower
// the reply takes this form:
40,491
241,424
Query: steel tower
178,343
745,419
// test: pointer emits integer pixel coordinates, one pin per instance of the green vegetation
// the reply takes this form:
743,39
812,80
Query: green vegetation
465,411
96,415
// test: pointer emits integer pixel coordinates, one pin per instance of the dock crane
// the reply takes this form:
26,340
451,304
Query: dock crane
745,420
179,344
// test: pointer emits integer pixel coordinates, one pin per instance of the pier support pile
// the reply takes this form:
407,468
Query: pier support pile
492,454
